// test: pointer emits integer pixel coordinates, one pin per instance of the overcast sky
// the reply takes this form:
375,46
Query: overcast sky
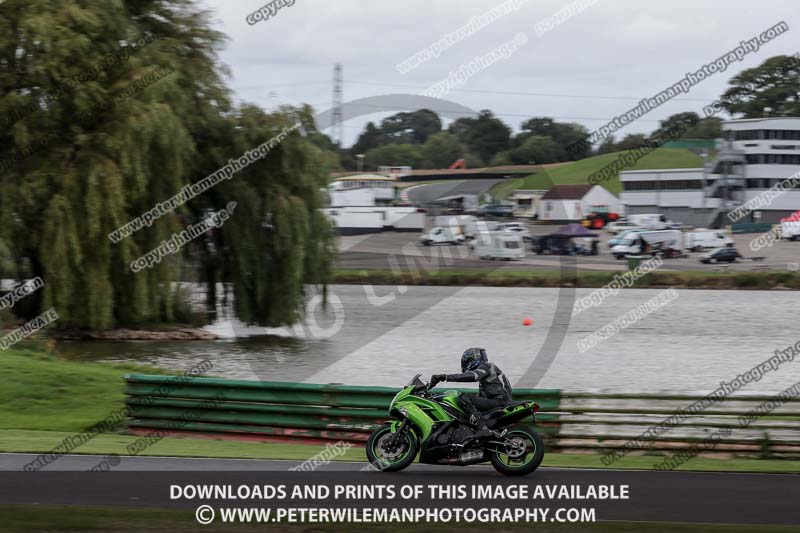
591,67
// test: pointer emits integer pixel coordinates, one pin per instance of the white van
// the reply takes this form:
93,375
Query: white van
704,239
648,242
653,221
443,235
468,225
498,245
790,230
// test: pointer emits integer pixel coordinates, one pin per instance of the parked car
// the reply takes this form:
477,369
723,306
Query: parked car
728,254
497,210
622,225
517,228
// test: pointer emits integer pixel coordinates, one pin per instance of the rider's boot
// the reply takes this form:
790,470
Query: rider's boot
482,425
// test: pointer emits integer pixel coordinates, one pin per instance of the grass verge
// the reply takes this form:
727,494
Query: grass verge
40,391
554,278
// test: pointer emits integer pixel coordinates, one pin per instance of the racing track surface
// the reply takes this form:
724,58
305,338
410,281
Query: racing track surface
700,497
423,194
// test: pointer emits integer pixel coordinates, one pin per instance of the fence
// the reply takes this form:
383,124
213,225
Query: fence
750,227
607,422
568,421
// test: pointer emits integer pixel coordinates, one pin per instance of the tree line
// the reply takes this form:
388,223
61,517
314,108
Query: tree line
420,139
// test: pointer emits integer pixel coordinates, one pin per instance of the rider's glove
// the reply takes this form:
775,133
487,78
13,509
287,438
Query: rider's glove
436,378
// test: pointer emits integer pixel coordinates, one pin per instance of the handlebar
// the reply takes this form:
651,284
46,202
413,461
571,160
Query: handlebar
431,385
425,388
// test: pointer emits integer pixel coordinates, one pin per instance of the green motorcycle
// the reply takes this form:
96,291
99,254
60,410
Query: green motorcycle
435,427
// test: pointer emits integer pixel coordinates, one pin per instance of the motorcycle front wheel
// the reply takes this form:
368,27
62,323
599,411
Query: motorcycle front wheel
391,452
522,455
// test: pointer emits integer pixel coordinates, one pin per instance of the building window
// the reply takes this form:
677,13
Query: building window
666,185
752,135
682,185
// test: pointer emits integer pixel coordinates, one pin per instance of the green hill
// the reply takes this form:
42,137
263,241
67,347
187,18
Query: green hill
578,171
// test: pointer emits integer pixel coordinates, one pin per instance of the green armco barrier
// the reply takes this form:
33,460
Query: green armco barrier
265,409
138,404
290,393
751,227
240,430
225,416
583,422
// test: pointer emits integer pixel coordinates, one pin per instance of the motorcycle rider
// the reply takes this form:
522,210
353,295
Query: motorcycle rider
494,388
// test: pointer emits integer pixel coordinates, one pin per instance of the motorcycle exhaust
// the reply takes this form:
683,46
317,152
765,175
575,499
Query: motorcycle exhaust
467,457
471,456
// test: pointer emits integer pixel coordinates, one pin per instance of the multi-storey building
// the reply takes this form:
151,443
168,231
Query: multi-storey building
754,156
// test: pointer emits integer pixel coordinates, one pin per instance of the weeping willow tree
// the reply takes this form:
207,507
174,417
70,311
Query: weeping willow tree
279,241
110,107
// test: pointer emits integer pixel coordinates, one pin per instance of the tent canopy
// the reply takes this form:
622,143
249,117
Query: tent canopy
572,230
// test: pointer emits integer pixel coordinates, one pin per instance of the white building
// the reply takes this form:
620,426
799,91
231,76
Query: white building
676,193
754,156
360,220
363,203
526,202
362,190
574,202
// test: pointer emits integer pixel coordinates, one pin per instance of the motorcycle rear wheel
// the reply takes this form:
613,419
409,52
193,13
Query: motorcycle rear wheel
388,456
525,457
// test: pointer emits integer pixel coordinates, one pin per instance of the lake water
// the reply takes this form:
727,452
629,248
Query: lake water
384,335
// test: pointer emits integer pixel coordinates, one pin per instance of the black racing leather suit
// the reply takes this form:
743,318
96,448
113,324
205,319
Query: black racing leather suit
494,388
